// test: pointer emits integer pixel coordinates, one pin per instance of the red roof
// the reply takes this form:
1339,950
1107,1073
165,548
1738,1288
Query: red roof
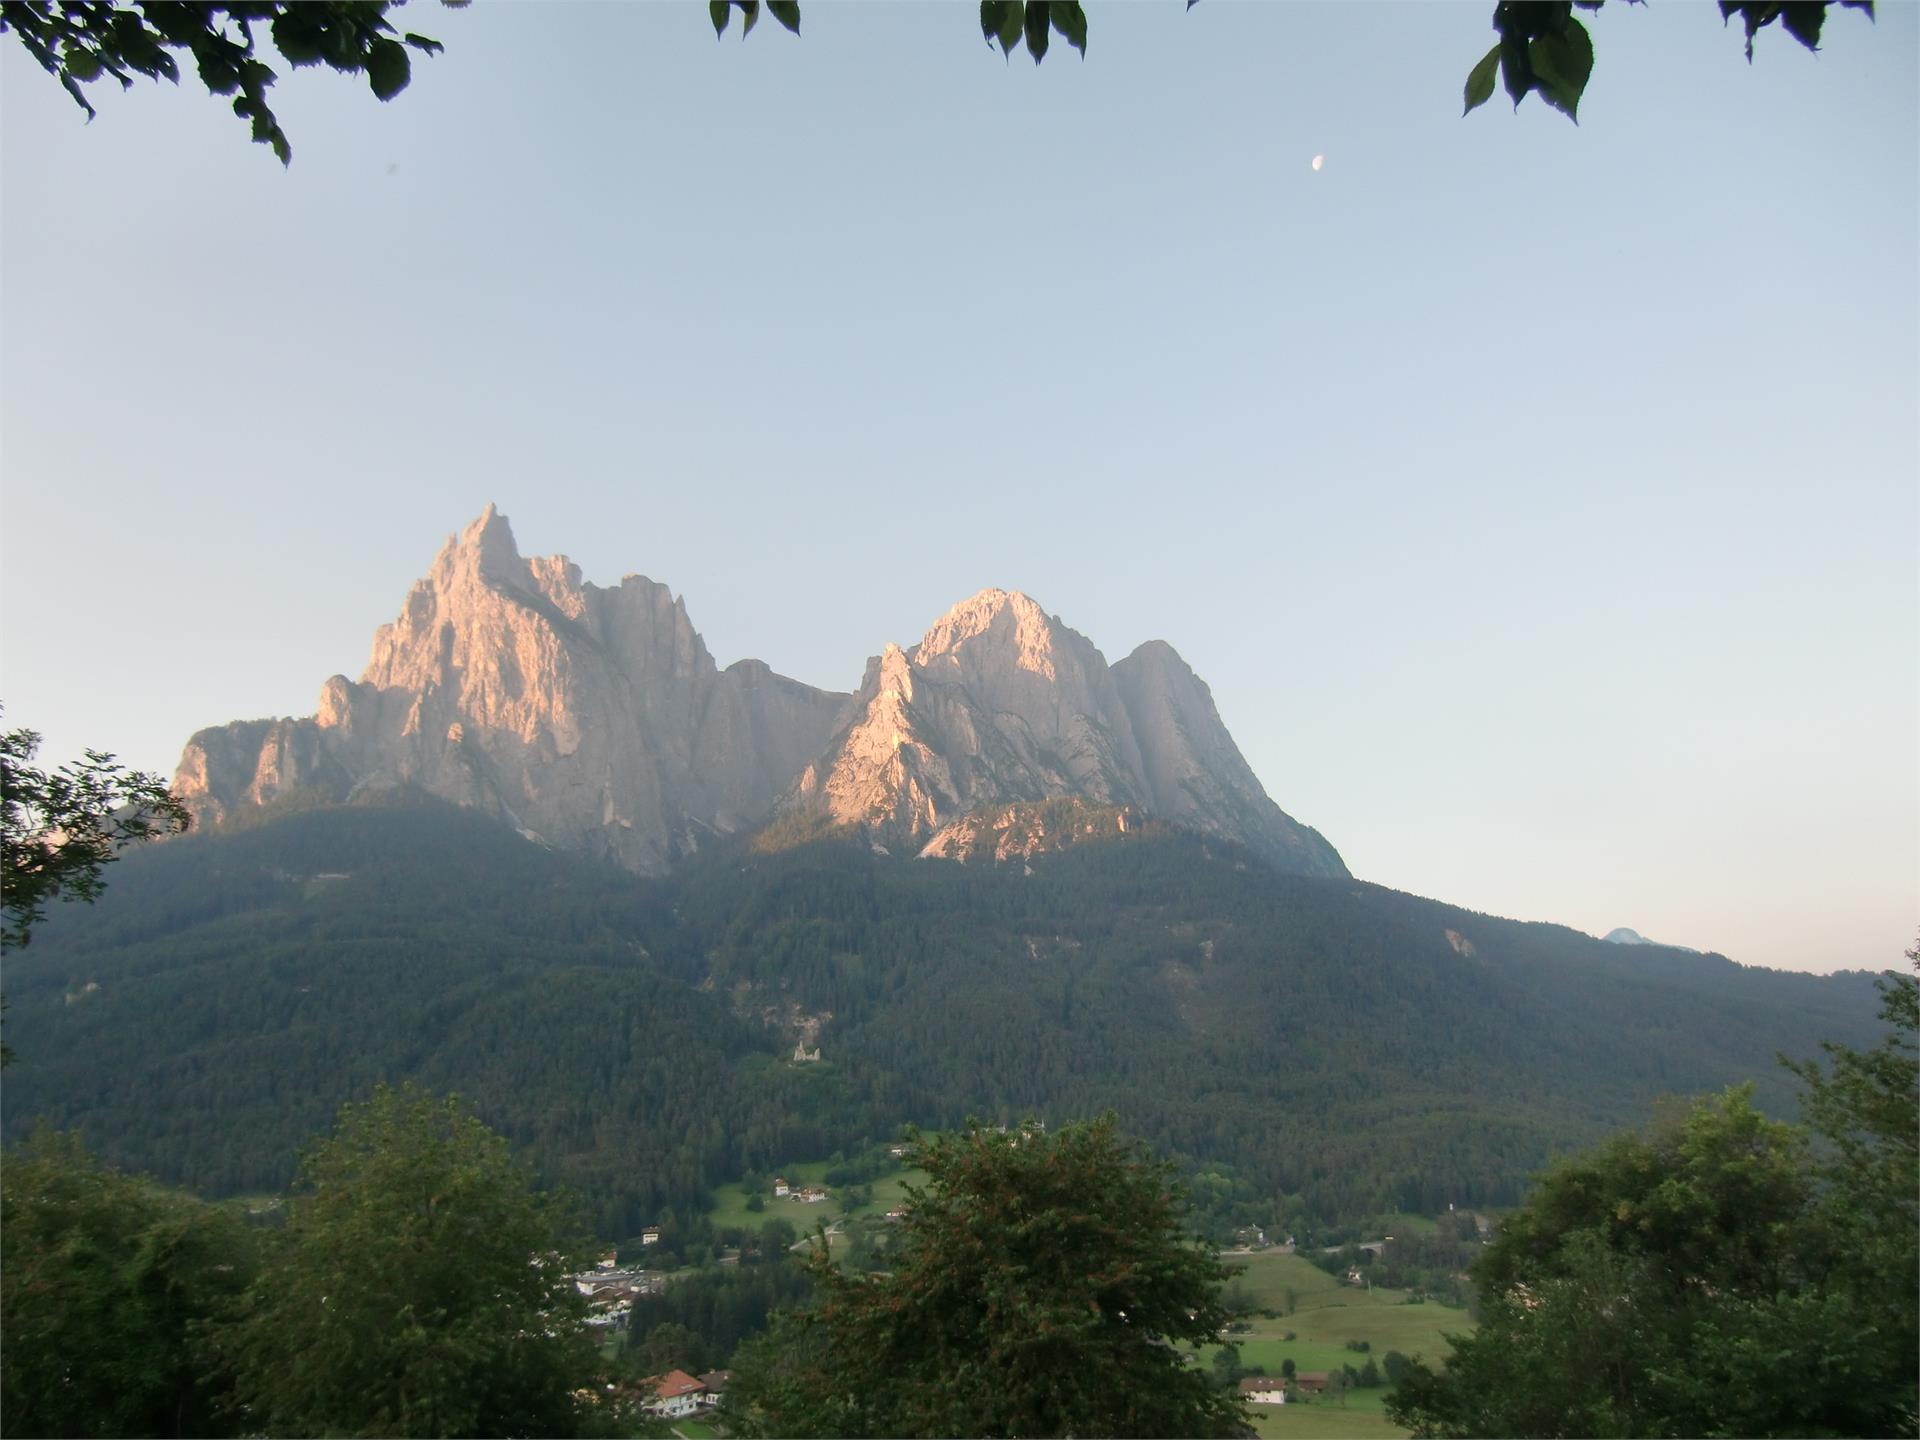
675,1383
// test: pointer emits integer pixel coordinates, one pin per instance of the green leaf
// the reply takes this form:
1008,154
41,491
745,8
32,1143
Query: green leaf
388,68
749,16
1071,21
423,44
218,72
1515,71
787,12
1037,29
66,83
296,36
82,65
1480,80
1803,19
717,11
1562,64
1012,21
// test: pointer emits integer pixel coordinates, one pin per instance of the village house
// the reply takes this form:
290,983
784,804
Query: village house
608,1260
1311,1382
650,1235
676,1395
1264,1390
810,1195
780,1190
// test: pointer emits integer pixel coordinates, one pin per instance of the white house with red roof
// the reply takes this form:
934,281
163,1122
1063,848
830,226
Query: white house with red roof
676,1395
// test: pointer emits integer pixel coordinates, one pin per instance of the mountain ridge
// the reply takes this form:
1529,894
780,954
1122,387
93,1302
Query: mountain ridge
594,718
1362,1048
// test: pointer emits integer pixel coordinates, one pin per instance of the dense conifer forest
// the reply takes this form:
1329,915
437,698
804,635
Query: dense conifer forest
1344,1047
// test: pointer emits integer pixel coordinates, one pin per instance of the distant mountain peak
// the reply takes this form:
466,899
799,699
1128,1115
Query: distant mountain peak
1621,935
1001,704
1005,617
594,718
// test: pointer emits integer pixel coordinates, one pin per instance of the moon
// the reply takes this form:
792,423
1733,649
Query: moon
1318,161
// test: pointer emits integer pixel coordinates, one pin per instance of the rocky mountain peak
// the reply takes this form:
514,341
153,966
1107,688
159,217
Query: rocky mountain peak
999,619
595,718
1002,705
591,717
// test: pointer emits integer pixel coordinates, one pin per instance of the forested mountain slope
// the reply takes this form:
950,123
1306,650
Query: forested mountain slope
1353,1046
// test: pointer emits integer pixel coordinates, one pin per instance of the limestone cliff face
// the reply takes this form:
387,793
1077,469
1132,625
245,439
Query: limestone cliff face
1001,704
593,718
1196,777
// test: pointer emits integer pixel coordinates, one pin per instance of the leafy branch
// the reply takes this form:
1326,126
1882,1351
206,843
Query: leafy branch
78,41
61,828
1544,49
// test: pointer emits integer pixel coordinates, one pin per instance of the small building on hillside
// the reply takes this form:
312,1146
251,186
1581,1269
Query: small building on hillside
676,1395
650,1235
1310,1382
780,1188
1264,1390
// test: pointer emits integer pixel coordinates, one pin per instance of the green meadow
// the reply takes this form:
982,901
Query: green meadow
1327,1314
729,1202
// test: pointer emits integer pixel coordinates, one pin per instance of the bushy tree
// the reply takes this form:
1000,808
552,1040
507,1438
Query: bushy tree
1723,1275
1040,1286
59,829
106,1282
419,1288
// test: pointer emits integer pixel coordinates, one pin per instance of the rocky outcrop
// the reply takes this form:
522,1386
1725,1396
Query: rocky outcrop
592,718
1001,704
1196,777
595,719
1027,828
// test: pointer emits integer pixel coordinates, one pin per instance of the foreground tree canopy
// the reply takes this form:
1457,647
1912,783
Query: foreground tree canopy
1039,1287
1723,1275
419,1288
1543,49
105,1282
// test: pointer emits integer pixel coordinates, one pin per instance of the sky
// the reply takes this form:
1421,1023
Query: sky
1541,502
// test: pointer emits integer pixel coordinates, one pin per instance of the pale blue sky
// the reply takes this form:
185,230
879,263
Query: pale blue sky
1539,501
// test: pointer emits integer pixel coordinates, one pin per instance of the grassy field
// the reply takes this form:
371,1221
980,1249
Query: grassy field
1268,1275
1328,1313
729,1202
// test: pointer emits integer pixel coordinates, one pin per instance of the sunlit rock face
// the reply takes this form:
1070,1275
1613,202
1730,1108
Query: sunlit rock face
1000,703
592,718
595,719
